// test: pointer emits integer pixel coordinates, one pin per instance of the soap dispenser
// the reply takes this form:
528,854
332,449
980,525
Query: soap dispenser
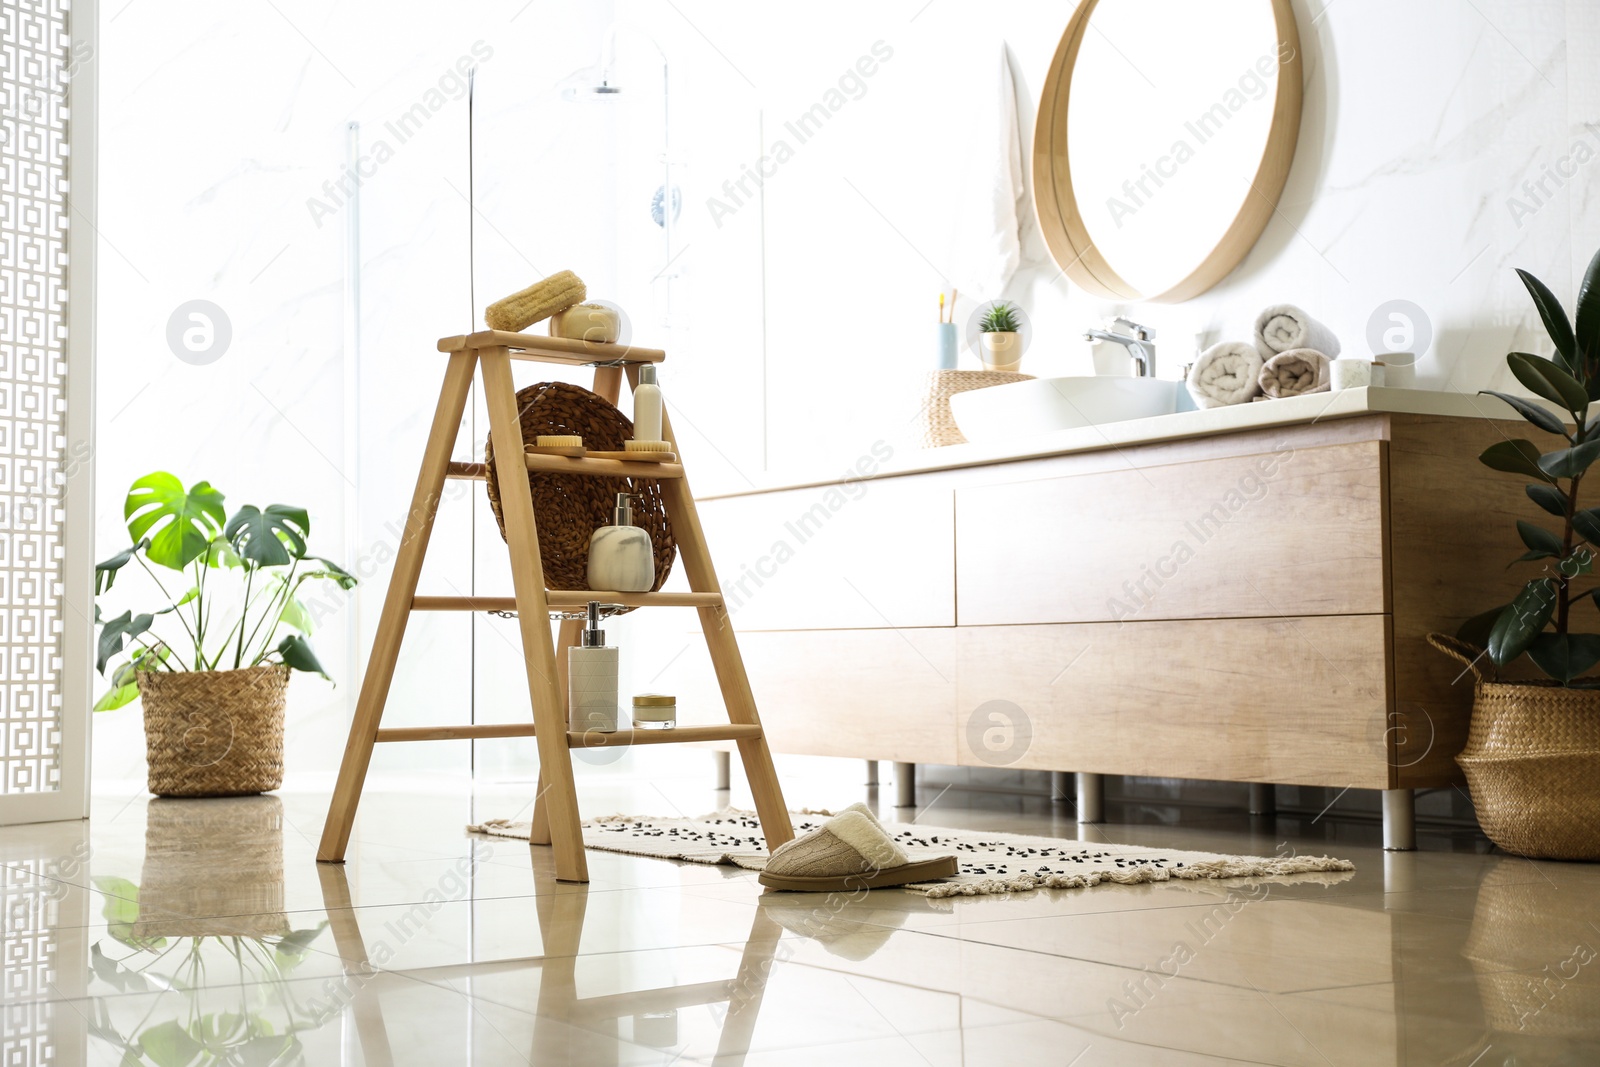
592,679
621,556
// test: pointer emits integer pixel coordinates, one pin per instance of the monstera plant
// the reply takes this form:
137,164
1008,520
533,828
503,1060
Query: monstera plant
1546,618
211,665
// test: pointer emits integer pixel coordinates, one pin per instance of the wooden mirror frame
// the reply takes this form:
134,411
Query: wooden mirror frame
1057,207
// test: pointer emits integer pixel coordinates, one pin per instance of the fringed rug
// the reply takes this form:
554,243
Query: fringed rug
989,862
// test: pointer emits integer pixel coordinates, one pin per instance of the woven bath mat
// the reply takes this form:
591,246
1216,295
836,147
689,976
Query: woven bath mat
990,862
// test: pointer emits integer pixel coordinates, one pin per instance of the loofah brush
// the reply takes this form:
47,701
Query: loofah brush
537,302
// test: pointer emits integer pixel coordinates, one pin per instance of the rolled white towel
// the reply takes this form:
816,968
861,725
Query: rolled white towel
1226,373
1295,373
1284,328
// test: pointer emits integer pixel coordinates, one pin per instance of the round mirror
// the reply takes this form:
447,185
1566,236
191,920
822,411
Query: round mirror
1164,137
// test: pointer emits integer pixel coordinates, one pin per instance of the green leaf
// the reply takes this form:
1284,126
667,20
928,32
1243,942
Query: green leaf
1570,462
180,522
1514,457
295,614
1550,498
105,574
1538,538
169,1045
1522,620
115,632
1580,562
1565,656
1544,378
1537,414
269,538
122,898
221,554
1555,320
1587,338
121,696
1475,631
1587,523
333,571
297,655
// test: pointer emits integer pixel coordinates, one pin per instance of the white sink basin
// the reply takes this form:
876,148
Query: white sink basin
1023,409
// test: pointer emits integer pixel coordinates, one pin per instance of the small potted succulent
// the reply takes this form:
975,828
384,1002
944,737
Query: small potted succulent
1000,337
1532,757
213,681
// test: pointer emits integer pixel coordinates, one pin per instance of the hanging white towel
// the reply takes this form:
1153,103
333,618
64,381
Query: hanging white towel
987,241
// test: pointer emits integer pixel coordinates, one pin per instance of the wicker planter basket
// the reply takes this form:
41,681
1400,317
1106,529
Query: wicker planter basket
1532,762
214,733
570,507
936,426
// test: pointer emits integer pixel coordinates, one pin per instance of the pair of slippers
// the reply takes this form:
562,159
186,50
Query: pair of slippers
850,851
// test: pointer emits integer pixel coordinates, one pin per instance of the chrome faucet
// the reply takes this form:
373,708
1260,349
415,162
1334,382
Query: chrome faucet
1139,343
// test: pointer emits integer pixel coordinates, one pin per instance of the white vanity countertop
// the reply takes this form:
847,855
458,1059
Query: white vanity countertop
1285,412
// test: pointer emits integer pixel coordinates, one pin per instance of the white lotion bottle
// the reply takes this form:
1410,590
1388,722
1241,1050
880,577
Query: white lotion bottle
621,556
592,679
647,406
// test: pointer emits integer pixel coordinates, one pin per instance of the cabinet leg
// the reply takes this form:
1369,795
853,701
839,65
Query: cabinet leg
1263,798
1399,820
905,785
1060,786
872,773
1091,797
724,770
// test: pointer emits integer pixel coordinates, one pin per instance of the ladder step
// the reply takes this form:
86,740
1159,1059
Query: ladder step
476,471
575,739
456,733
684,734
615,468
568,598
552,349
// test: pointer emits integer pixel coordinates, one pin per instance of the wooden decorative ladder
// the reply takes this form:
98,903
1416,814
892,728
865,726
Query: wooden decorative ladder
555,815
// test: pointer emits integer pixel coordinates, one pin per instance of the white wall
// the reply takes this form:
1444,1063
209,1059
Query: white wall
1421,120
801,322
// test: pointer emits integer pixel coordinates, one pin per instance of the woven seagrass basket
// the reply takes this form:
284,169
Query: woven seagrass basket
1532,761
936,426
214,733
570,507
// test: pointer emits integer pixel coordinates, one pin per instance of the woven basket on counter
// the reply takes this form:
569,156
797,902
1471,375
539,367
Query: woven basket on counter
936,426
214,733
568,508
1532,762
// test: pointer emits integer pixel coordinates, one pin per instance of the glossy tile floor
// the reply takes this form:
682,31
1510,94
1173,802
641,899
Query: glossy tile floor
190,932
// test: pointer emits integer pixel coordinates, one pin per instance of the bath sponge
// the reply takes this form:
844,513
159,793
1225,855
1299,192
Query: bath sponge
538,301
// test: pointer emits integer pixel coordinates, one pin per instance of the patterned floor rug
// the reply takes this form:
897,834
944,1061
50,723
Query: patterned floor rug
990,862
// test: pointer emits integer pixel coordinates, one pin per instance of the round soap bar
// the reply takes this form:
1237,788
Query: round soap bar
595,323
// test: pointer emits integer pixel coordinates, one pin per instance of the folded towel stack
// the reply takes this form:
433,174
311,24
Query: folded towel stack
1226,373
1289,357
1295,373
1284,328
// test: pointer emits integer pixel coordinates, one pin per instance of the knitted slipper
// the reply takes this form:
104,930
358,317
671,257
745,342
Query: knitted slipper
850,851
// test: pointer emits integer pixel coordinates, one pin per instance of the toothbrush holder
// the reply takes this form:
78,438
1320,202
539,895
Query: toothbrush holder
945,353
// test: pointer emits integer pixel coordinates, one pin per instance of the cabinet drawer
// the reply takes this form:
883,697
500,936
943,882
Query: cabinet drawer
868,554
1299,700
1292,532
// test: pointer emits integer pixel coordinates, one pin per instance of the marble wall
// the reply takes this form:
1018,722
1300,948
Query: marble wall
797,309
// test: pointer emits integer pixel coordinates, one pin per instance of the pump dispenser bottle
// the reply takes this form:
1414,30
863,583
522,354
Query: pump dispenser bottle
592,679
621,556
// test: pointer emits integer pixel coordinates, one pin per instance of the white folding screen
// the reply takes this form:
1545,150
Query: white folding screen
46,405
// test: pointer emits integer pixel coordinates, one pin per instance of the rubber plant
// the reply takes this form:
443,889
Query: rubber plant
1540,620
238,585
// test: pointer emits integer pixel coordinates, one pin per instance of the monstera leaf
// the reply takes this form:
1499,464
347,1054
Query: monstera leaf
269,538
179,522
